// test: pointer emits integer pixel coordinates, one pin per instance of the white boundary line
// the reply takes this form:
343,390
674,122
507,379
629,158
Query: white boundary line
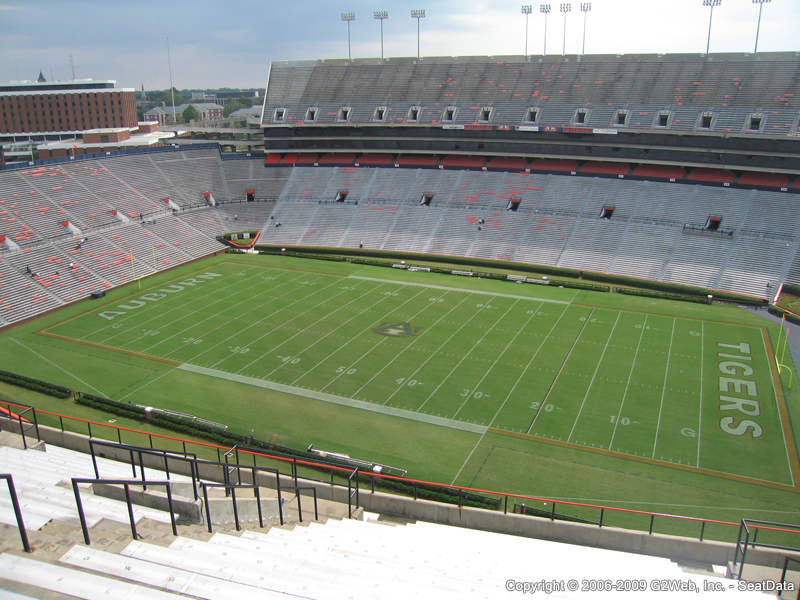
332,331
399,354
511,391
352,338
216,315
434,353
455,289
594,376
628,385
334,399
702,368
259,321
466,354
664,388
56,365
304,329
497,359
560,370
369,350
777,408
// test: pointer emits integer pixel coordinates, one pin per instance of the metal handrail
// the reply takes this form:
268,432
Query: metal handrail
126,483
744,541
184,456
414,483
12,491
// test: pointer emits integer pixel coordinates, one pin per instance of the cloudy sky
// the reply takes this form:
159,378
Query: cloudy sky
218,43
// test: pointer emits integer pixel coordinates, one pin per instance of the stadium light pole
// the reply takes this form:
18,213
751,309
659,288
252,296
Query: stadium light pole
545,10
418,13
380,15
565,8
347,17
761,4
526,9
712,4
585,8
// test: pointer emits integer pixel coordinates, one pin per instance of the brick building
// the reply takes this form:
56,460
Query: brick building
65,107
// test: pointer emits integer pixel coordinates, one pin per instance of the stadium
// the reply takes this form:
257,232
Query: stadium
544,296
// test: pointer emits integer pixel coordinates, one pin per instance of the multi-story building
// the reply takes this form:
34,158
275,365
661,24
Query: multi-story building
65,107
45,119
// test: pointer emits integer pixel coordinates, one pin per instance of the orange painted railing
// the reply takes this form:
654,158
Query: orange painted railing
702,522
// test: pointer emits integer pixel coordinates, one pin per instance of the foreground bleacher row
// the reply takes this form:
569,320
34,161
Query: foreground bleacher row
557,223
336,559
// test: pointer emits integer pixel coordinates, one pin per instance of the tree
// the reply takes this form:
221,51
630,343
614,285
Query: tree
190,114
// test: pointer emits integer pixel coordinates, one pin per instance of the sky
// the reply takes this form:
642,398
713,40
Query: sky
218,43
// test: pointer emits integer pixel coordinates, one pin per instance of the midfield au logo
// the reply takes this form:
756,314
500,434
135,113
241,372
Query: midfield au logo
400,329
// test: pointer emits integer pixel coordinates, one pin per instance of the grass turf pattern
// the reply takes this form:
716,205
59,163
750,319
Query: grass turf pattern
521,360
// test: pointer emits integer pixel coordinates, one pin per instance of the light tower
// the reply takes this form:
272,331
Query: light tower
545,10
380,15
347,17
418,13
712,4
761,4
527,9
565,8
585,8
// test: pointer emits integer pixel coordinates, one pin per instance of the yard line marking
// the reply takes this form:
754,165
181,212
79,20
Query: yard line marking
227,323
284,323
560,371
334,399
664,388
499,356
435,352
594,376
331,332
399,354
136,319
463,358
56,365
363,356
217,316
700,415
319,362
628,385
271,350
456,289
783,414
511,391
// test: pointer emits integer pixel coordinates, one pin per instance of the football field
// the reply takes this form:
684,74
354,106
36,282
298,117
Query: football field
542,365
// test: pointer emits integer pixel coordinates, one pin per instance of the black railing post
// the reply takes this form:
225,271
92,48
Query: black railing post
171,511
299,504
280,497
505,505
94,459
316,510
119,435
208,508
258,505
130,511
17,511
602,514
61,421
702,529
553,512
89,427
81,516
235,509
652,518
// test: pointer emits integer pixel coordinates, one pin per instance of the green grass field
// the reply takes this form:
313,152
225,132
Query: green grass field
629,401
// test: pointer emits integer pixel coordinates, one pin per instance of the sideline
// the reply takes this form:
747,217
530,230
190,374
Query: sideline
333,399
